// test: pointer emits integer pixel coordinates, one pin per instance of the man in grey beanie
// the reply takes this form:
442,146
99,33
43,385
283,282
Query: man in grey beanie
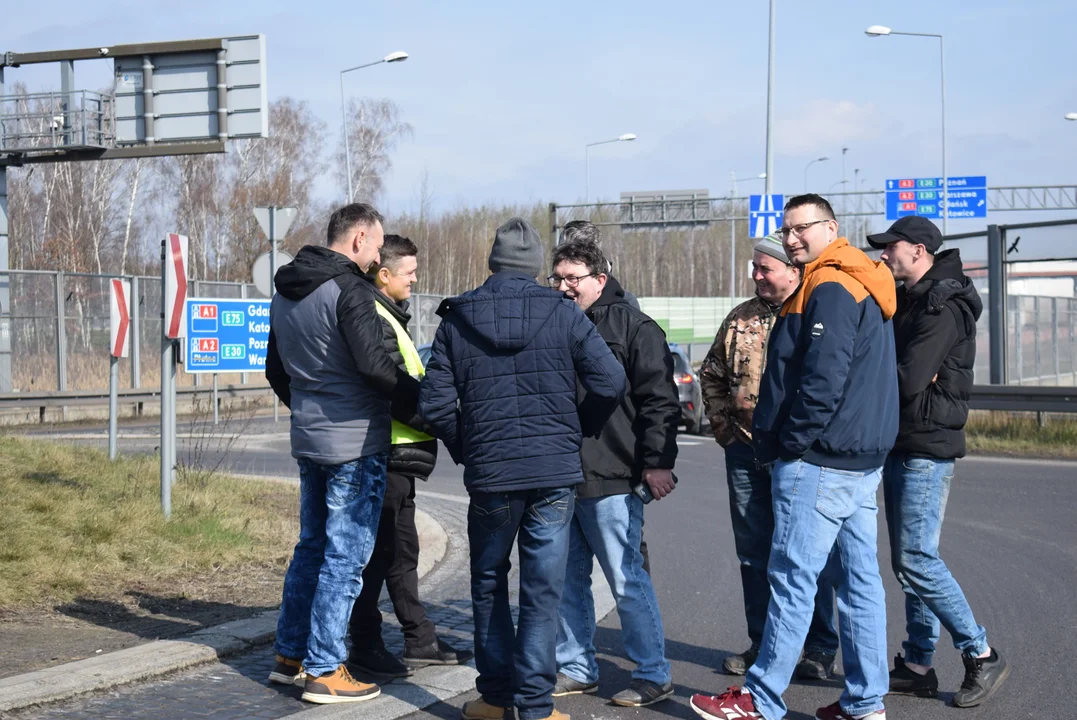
500,391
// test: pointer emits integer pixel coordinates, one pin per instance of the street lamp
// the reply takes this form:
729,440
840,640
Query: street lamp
883,31
822,159
398,56
627,137
1071,116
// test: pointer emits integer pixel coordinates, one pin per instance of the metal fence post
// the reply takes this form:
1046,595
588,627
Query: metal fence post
61,339
136,338
1017,345
1054,339
1036,338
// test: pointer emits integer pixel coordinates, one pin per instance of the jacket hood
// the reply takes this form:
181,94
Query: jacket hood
507,311
873,275
312,267
946,280
611,294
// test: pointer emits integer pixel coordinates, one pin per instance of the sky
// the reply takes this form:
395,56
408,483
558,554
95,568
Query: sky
504,96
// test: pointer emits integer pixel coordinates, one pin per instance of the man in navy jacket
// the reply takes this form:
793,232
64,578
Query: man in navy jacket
500,392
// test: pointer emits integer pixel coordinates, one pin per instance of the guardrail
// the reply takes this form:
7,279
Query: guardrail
129,396
1019,398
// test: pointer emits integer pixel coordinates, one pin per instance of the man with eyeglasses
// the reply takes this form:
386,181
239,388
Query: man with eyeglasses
730,378
636,447
827,418
577,231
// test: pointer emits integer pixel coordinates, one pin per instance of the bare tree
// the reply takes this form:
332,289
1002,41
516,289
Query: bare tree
374,129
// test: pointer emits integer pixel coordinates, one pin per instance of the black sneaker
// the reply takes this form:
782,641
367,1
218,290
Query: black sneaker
904,681
438,653
982,678
815,666
641,693
377,661
567,686
739,664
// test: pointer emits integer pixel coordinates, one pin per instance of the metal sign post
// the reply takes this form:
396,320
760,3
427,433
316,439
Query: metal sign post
119,341
274,222
173,322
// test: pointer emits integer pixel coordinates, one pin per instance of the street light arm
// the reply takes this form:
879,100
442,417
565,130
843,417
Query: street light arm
365,65
602,142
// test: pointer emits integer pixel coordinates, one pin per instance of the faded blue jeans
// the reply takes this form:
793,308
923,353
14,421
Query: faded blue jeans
752,511
609,528
339,509
817,510
916,490
518,666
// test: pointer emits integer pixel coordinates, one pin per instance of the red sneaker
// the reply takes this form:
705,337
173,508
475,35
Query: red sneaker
834,712
733,703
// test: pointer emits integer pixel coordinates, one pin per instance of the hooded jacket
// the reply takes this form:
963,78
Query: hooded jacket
500,385
642,432
327,363
413,459
829,392
935,334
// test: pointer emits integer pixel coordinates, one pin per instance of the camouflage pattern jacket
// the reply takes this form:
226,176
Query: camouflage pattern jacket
733,368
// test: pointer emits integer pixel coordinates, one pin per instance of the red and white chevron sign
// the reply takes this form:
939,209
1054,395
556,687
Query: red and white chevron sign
119,317
175,270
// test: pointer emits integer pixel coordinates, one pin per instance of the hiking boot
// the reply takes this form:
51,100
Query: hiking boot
437,653
733,703
904,681
287,671
982,678
834,712
641,693
815,666
338,687
481,710
567,686
739,664
377,661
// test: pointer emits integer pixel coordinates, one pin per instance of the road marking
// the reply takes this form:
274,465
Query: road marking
688,442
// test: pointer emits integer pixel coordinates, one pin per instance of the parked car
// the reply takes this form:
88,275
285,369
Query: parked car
688,390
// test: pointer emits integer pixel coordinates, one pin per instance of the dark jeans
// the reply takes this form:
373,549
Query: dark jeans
394,563
518,667
752,510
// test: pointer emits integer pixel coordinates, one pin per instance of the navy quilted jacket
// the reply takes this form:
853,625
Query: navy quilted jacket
500,386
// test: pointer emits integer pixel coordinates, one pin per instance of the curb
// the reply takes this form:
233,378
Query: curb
162,657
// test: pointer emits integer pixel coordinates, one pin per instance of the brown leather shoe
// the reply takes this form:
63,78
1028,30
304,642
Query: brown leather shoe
481,710
558,715
288,671
338,687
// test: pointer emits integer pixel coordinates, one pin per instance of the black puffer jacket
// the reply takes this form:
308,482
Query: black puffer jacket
414,460
642,432
935,334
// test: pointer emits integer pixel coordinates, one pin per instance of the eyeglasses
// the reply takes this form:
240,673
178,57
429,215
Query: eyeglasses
797,230
570,280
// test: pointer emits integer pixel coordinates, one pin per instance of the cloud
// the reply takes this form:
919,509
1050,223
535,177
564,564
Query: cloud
822,124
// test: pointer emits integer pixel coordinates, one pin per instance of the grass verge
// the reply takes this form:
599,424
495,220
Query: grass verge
1021,434
76,525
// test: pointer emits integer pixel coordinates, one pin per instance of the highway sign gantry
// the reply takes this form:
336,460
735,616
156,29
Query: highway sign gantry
965,195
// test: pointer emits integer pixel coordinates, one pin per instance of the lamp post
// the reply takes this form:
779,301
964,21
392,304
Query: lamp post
627,137
768,168
822,159
398,56
883,31
733,232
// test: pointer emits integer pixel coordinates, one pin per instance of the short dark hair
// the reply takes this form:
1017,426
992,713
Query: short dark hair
585,253
580,231
393,250
344,219
811,199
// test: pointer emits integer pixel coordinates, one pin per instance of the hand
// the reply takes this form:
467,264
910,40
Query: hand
660,482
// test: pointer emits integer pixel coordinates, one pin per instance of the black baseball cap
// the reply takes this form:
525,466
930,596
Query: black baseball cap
913,229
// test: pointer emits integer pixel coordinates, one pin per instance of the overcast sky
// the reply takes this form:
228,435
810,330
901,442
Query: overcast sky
504,96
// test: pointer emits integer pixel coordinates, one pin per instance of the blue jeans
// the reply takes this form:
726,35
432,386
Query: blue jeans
339,508
816,510
609,528
752,511
916,490
518,667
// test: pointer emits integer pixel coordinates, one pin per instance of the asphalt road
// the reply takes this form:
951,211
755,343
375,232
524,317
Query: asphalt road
1010,539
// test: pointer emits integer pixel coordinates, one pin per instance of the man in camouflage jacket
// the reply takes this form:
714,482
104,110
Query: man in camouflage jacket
730,379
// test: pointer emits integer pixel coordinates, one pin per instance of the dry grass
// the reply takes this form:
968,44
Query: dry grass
1022,434
76,525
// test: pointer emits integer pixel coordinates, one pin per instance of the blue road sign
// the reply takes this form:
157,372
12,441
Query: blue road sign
764,214
966,195
226,335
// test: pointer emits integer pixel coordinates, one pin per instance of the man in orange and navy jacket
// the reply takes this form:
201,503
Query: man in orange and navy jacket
826,419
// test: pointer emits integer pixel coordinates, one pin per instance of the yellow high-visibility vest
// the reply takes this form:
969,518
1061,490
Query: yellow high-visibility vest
405,434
